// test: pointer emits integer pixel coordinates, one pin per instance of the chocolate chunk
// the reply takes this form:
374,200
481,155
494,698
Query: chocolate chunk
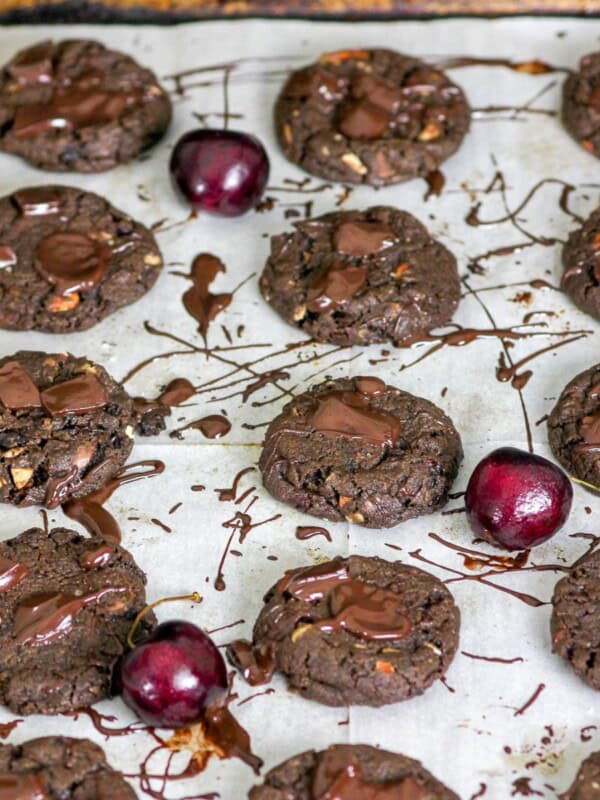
33,65
363,238
17,390
80,395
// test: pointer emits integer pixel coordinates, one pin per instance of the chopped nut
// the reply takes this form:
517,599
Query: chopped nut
3,481
300,631
389,650
89,368
287,134
596,244
129,431
325,151
534,67
352,161
384,666
435,649
401,269
340,56
356,516
588,145
152,259
60,303
14,451
430,132
343,501
105,236
299,313
21,476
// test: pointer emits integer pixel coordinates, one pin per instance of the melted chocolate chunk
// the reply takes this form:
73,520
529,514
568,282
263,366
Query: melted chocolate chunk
363,238
11,573
335,286
364,120
21,787
337,776
48,616
38,201
80,395
8,257
590,429
348,414
17,390
372,387
33,65
73,262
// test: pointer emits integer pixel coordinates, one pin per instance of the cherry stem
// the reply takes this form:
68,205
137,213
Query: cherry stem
194,598
586,484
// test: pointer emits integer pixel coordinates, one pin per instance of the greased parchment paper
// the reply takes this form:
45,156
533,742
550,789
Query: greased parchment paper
476,732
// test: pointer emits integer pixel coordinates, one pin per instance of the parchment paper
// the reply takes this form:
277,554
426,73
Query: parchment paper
468,733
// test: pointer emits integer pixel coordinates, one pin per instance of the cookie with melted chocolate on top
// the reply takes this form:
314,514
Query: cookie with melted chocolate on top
77,106
67,604
576,619
359,450
586,785
66,427
353,631
59,766
370,116
68,259
581,276
362,772
574,427
581,103
361,277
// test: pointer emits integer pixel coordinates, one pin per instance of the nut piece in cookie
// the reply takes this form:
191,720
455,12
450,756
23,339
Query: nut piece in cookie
351,770
353,631
370,116
581,262
576,619
358,450
58,766
77,106
67,604
574,427
68,259
361,277
65,428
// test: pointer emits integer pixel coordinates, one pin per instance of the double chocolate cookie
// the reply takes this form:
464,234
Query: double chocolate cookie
359,450
67,604
370,116
575,621
574,427
581,104
354,771
353,631
68,259
77,106
586,785
59,767
360,277
65,428
581,261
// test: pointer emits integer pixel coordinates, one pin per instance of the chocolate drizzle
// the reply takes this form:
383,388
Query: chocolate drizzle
304,532
72,262
198,300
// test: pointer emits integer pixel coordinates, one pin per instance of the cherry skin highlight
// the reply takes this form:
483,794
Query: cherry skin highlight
172,677
219,171
516,500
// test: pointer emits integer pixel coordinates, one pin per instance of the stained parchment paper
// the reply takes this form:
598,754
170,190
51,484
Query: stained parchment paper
469,732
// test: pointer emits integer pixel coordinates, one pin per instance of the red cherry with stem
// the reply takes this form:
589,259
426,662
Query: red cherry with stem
220,171
171,678
516,499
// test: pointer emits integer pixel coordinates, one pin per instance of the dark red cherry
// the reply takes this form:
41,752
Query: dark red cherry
516,499
172,677
222,172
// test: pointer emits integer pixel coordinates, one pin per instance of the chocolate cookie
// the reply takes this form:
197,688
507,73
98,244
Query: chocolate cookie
351,770
353,631
586,785
581,278
581,103
574,427
68,259
575,621
67,604
59,767
360,277
370,116
65,428
359,450
77,106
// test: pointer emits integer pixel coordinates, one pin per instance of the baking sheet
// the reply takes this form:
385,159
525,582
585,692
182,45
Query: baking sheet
468,732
